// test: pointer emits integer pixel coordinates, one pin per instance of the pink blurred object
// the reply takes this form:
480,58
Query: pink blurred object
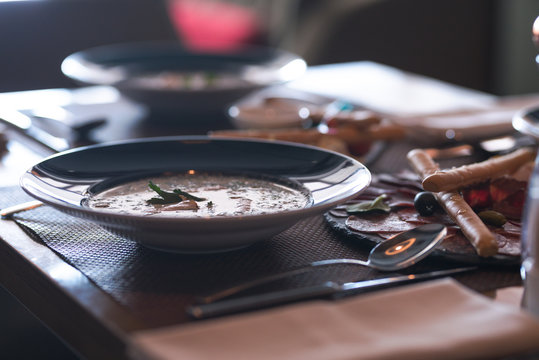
535,32
214,25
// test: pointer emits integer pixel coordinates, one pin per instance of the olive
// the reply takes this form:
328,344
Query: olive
491,217
425,203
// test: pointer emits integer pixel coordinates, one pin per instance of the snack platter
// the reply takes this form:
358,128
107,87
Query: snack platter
480,203
376,227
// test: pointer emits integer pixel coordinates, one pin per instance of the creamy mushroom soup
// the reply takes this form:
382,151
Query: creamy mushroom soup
199,195
196,81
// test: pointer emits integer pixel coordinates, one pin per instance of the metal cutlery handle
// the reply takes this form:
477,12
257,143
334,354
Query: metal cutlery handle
274,277
325,290
261,301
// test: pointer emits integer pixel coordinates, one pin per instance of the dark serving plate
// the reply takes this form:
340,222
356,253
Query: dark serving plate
65,180
462,253
401,189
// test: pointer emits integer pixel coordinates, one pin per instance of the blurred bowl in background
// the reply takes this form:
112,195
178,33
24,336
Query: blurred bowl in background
276,107
268,116
169,78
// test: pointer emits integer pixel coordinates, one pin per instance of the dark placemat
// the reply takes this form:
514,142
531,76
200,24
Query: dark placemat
157,286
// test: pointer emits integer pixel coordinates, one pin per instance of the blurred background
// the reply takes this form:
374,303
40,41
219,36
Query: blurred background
481,44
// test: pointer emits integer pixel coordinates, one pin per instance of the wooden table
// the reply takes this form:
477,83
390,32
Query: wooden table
94,323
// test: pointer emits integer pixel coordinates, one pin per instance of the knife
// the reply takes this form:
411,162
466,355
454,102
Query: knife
50,135
330,289
22,126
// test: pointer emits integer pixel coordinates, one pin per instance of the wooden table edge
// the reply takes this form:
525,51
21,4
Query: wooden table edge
62,297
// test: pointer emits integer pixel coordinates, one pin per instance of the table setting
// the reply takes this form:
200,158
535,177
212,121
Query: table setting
341,262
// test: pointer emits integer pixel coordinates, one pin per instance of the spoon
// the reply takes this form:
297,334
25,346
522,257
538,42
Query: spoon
398,252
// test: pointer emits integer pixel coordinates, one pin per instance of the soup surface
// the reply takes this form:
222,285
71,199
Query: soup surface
195,81
199,195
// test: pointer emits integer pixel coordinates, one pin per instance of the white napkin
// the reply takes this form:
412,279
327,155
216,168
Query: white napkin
436,320
464,126
389,90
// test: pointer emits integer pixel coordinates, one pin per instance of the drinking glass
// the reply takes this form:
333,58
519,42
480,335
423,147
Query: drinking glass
530,245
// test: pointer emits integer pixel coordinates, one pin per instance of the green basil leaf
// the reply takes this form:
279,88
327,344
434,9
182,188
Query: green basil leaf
167,197
377,204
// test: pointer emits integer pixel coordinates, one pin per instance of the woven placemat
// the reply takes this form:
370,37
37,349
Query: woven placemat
157,286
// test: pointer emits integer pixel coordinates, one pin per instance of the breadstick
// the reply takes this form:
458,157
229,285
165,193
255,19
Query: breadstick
422,162
451,179
308,136
348,134
381,132
386,132
471,225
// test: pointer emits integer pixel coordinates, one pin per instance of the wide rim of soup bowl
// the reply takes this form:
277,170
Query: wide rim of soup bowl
65,180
